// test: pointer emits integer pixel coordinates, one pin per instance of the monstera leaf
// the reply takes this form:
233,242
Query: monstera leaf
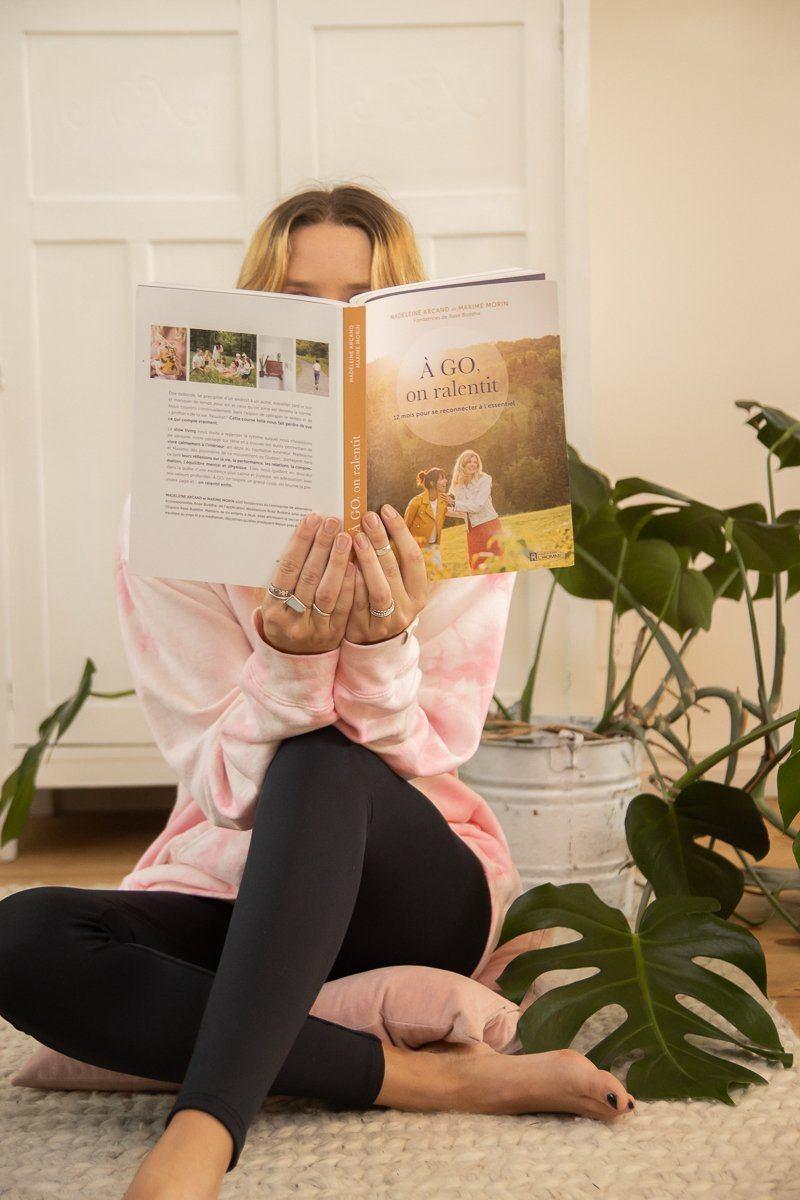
789,786
661,839
643,972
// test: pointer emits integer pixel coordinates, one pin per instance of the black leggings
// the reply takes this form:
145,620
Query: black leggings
349,867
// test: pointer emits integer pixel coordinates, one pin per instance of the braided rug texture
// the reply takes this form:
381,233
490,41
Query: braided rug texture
88,1145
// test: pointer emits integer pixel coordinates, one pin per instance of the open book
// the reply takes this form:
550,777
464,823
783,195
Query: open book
443,399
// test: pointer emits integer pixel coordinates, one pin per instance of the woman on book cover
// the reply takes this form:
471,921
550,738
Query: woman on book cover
425,512
319,830
470,497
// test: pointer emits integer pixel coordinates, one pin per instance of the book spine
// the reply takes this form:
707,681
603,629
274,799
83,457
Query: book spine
354,401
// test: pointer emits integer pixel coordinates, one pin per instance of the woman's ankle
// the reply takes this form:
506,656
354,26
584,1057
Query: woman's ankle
429,1081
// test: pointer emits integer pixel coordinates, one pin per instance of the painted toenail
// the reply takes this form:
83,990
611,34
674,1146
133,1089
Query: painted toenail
630,1104
611,1097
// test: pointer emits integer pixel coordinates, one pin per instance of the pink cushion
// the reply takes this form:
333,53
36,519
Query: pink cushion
406,1006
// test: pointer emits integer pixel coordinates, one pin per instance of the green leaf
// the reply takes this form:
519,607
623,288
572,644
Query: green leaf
68,711
719,571
589,489
650,570
694,603
766,547
634,485
766,586
651,566
636,517
776,429
696,526
792,581
788,780
644,973
18,791
661,840
601,536
19,787
751,512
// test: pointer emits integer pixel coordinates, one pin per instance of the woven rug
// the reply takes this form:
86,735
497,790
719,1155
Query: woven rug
87,1145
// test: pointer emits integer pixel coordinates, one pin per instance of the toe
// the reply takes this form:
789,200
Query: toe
610,1093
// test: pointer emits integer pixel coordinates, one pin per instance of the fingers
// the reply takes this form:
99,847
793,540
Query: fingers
328,591
403,569
317,560
304,558
382,575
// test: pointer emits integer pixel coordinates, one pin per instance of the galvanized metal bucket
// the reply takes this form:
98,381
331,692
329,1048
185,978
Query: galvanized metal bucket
561,800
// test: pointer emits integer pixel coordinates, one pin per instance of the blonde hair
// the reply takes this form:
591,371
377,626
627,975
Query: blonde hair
396,257
458,468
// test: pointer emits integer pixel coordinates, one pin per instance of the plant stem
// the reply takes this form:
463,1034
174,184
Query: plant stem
610,668
611,705
684,682
780,632
712,759
526,701
776,904
502,707
656,696
766,713
113,695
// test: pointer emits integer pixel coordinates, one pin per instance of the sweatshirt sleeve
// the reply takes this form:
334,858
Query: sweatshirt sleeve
477,501
421,703
217,708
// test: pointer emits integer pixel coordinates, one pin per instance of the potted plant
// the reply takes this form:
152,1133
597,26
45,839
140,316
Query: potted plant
561,787
691,891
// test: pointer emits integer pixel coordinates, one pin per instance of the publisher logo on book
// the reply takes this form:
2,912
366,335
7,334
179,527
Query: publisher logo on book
535,555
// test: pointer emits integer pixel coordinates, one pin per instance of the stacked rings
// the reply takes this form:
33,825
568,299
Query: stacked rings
297,605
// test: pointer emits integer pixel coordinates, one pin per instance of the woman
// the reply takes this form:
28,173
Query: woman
425,512
319,827
317,369
470,497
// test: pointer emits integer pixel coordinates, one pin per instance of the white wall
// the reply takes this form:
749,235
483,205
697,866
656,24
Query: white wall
695,266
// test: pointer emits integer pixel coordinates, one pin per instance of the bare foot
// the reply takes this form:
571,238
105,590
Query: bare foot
554,1081
188,1162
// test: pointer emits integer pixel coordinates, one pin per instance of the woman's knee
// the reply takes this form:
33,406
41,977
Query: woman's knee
33,924
320,768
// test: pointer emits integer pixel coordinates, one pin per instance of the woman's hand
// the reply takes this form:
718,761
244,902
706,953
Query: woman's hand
315,566
382,578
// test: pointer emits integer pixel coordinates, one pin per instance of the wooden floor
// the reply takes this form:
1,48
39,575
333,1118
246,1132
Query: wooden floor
99,848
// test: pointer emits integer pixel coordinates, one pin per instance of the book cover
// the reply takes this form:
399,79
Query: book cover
443,398
464,417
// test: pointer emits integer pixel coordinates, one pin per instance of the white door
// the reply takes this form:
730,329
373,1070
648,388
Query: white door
146,141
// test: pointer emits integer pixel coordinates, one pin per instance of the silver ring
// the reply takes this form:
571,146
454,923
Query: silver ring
383,612
295,603
384,549
319,610
279,593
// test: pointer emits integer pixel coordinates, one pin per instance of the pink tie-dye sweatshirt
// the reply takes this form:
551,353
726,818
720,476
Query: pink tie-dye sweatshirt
219,700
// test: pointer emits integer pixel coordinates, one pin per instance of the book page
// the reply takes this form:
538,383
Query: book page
237,429
465,423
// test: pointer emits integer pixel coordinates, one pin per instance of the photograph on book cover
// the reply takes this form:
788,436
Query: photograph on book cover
465,425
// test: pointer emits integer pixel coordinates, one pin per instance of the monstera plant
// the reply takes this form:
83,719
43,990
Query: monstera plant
670,559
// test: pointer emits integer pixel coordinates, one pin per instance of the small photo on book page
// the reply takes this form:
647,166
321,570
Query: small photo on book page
465,424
